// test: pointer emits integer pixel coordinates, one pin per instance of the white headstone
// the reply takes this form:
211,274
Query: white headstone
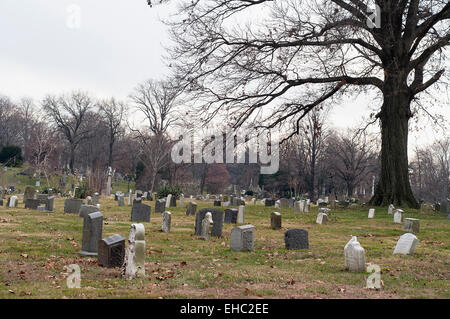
322,218
13,201
406,245
371,213
182,200
354,255
391,209
398,216
168,200
134,265
207,225
241,213
166,221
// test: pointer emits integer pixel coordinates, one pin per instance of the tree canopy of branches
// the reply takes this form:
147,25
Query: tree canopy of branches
294,55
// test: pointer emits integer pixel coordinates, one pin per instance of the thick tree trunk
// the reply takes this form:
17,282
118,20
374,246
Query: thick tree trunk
72,159
393,186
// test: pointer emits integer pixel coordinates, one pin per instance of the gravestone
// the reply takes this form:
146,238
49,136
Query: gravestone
92,233
160,206
291,202
242,238
217,216
398,216
13,200
181,200
207,226
322,218
253,201
42,198
296,238
134,264
1,202
241,213
391,209
173,201
226,204
95,199
72,206
275,220
50,204
334,204
306,207
168,200
284,202
89,201
371,213
111,251
407,244
269,202
231,215
166,221
29,193
277,204
354,255
411,225
445,206
191,208
140,213
137,200
217,203
121,201
297,207
86,210
31,203
302,205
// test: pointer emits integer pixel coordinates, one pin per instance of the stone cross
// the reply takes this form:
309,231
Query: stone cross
275,220
166,220
207,226
242,238
411,225
134,265
354,255
92,233
406,245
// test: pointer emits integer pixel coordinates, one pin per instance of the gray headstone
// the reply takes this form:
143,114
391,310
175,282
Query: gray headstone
296,238
284,202
160,206
269,202
50,204
217,216
242,238
166,221
140,213
121,201
275,220
191,208
72,206
217,203
31,203
411,225
231,215
111,251
29,193
92,233
86,210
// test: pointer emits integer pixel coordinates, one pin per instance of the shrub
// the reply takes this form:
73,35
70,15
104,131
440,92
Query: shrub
174,190
11,156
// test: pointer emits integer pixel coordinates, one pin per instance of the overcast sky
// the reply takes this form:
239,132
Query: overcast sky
45,48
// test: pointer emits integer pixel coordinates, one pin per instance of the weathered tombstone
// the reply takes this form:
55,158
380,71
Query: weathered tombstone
242,238
72,206
231,215
29,193
253,201
50,204
181,200
354,255
284,202
269,202
334,204
217,216
121,201
297,207
411,225
86,210
42,198
140,213
296,238
134,265
306,207
371,213
166,221
391,209
13,202
207,226
92,233
302,205
277,204
217,203
406,245
111,251
241,213
31,203
160,206
322,218
89,201
191,208
398,216
291,202
445,206
226,204
275,220
168,200
95,199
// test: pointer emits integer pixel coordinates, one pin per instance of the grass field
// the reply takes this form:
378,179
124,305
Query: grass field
36,248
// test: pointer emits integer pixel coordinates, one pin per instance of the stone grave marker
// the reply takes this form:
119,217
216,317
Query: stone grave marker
121,201
134,265
371,213
72,206
407,244
140,213
321,219
297,207
207,226
50,204
160,206
13,202
354,255
111,251
241,213
181,200
217,216
166,221
231,215
92,233
269,202
191,208
86,210
168,200
31,203
411,225
398,216
29,193
391,209
296,238
217,203
284,202
275,220
242,238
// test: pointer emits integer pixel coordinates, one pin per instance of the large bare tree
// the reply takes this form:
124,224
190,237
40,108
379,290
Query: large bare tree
281,59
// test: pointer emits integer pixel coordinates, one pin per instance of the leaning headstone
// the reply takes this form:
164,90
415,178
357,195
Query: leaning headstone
242,238
411,225
371,213
217,216
241,214
173,201
134,265
207,226
160,206
168,200
296,238
166,221
391,209
406,245
231,215
92,233
191,208
217,203
354,255
322,218
31,203
111,251
398,216
72,206
140,213
86,210
275,220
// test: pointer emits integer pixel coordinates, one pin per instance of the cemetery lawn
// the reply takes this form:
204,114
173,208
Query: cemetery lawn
35,248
